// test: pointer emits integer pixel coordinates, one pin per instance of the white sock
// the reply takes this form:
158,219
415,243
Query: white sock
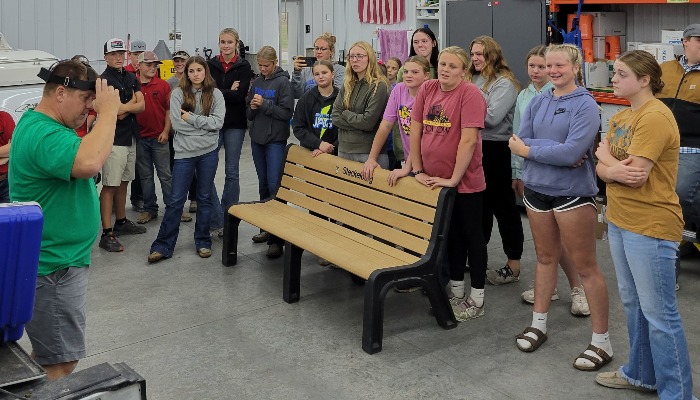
600,340
457,288
478,296
539,321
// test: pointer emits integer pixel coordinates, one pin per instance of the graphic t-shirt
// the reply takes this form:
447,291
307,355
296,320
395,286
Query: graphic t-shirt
398,109
443,115
653,209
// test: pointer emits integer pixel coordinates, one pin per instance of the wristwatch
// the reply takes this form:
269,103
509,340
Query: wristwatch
420,171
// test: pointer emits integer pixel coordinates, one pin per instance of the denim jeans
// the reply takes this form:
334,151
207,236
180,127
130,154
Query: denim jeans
150,153
183,171
269,161
687,188
646,280
232,141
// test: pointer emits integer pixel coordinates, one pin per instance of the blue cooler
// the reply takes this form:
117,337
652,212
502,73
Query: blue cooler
20,241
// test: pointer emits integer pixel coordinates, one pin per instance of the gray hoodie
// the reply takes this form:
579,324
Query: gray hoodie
270,123
200,133
500,101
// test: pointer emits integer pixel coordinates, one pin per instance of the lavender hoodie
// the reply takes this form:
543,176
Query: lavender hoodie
560,131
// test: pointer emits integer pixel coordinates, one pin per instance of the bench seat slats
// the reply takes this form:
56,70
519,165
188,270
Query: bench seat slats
404,187
385,200
407,224
327,240
364,224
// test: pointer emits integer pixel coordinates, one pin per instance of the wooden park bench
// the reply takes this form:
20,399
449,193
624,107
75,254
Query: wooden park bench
382,234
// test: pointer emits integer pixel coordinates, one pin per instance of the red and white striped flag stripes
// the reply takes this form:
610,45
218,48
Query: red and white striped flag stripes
384,12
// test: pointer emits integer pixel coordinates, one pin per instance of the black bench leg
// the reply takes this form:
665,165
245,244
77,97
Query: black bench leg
229,254
440,303
373,318
292,272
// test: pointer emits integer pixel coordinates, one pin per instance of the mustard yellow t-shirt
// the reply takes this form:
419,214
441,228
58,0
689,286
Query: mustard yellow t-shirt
653,209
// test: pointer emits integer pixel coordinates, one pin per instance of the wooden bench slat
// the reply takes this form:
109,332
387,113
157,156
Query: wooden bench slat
404,187
367,225
385,200
384,216
325,242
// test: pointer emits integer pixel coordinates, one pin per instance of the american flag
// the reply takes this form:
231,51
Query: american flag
382,12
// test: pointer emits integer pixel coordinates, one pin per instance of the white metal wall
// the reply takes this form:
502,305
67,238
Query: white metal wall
68,27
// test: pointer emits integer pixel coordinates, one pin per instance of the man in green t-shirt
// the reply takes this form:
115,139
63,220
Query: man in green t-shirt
51,165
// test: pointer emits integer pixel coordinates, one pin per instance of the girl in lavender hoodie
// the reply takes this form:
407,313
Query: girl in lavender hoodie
556,135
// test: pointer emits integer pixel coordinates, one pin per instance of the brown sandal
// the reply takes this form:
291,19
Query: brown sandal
534,343
597,364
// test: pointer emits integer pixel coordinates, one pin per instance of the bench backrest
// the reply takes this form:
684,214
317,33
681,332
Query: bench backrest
403,215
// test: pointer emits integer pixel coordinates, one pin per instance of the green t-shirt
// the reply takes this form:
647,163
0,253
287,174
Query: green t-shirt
41,160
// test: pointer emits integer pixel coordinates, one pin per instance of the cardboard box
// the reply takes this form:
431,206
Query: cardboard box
609,23
596,74
662,52
671,36
633,46
599,46
601,225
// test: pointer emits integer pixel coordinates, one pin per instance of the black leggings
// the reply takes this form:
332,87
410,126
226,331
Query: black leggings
499,199
465,239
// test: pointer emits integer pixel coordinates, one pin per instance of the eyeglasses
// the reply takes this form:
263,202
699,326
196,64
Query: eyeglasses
321,48
357,56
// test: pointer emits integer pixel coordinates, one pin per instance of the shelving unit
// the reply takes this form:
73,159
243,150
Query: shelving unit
554,4
434,17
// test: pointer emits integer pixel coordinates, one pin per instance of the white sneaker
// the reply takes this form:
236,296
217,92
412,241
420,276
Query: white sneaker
579,303
528,296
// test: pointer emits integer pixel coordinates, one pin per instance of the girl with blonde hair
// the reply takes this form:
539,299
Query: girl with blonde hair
358,109
324,50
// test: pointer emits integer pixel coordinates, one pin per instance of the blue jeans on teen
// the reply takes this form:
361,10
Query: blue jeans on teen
269,160
183,171
687,188
150,153
646,280
232,141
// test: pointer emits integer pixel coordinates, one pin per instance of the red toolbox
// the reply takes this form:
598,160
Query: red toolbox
20,241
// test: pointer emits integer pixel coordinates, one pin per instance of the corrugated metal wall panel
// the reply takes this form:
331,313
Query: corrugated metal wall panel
68,27
645,21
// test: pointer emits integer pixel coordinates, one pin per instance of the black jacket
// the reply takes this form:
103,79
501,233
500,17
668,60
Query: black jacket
235,99
270,122
312,119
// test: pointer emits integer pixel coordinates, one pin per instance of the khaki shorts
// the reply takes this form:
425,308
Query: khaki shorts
120,166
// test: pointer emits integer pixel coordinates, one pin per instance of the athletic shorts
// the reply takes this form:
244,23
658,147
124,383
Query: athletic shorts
539,202
57,328
120,166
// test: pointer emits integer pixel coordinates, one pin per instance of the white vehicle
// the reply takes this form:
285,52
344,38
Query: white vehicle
20,87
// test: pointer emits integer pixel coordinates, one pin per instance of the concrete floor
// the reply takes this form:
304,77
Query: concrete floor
196,329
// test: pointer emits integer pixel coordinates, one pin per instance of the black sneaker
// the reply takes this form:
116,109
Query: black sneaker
110,243
128,228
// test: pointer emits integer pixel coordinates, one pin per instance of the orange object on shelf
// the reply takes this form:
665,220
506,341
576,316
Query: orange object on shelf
612,47
605,97
585,24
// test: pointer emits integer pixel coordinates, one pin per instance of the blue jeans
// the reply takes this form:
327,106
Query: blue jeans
687,188
269,161
183,171
232,140
150,153
646,280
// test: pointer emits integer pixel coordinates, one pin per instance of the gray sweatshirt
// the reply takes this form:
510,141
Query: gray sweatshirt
500,101
303,80
200,133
